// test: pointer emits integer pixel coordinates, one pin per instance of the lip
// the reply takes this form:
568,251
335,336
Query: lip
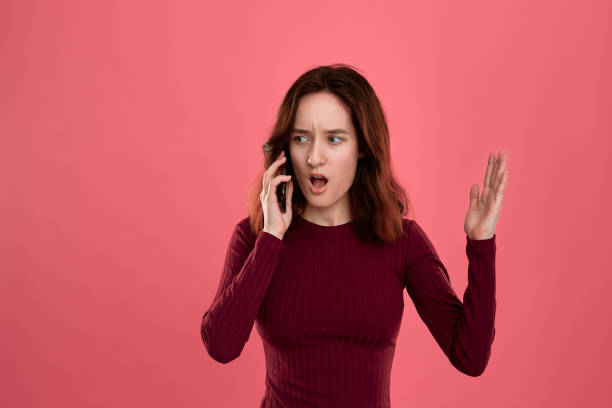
316,190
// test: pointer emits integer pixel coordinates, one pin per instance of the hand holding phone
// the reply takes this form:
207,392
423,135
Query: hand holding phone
286,169
276,222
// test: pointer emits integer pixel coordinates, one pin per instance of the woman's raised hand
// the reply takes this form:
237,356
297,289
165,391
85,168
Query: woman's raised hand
276,222
484,209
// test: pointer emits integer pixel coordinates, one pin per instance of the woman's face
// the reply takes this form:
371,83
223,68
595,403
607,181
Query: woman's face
324,141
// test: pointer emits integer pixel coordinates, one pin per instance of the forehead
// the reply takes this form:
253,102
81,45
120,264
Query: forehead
324,111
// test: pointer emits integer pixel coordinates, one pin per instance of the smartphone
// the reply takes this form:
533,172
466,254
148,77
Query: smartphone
281,190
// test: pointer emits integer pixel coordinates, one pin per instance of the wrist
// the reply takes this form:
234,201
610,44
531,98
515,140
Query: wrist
276,234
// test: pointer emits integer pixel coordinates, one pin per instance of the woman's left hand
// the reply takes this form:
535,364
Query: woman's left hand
484,209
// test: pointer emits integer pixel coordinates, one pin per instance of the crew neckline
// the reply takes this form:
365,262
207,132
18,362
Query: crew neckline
323,227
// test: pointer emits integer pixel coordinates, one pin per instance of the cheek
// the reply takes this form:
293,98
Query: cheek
347,175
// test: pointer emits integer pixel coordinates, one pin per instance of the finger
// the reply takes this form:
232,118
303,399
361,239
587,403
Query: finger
499,194
495,171
497,175
273,168
474,197
275,182
272,189
502,167
289,194
489,171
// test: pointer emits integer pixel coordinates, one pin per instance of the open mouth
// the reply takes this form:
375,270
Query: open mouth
318,182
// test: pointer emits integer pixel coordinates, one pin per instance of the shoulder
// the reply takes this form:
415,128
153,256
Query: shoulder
244,223
413,230
417,242
243,232
407,223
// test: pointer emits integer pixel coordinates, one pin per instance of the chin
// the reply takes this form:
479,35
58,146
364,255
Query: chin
319,201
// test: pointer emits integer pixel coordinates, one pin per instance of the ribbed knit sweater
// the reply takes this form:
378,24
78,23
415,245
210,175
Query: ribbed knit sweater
328,308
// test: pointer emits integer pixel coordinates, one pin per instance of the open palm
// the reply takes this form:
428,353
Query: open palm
484,209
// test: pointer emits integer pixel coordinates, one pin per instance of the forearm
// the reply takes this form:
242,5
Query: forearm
227,324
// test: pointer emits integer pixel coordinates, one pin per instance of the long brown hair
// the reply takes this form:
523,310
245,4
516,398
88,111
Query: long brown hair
378,202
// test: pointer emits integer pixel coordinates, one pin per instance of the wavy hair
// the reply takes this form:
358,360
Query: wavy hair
378,202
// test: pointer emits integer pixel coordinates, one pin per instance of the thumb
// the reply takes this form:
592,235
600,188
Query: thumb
474,197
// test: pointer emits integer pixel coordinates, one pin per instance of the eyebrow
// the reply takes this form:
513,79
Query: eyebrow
296,130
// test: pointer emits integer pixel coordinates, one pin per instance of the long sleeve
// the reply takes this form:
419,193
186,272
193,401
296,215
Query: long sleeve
464,331
226,326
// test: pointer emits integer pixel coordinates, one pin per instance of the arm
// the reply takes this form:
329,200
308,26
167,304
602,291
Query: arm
464,331
227,324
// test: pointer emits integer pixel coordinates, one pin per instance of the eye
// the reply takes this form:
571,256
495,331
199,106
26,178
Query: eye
295,138
336,138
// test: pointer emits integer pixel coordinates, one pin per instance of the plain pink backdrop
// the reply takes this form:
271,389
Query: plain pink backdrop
131,133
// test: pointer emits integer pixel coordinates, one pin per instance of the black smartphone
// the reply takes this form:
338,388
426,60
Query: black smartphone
281,190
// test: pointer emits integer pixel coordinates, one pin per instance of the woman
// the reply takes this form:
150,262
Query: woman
325,286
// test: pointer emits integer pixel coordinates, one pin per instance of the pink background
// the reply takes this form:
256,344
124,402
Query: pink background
132,132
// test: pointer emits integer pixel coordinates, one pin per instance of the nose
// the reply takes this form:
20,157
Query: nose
315,155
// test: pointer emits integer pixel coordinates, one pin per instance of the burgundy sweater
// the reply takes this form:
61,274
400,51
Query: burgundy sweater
328,308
